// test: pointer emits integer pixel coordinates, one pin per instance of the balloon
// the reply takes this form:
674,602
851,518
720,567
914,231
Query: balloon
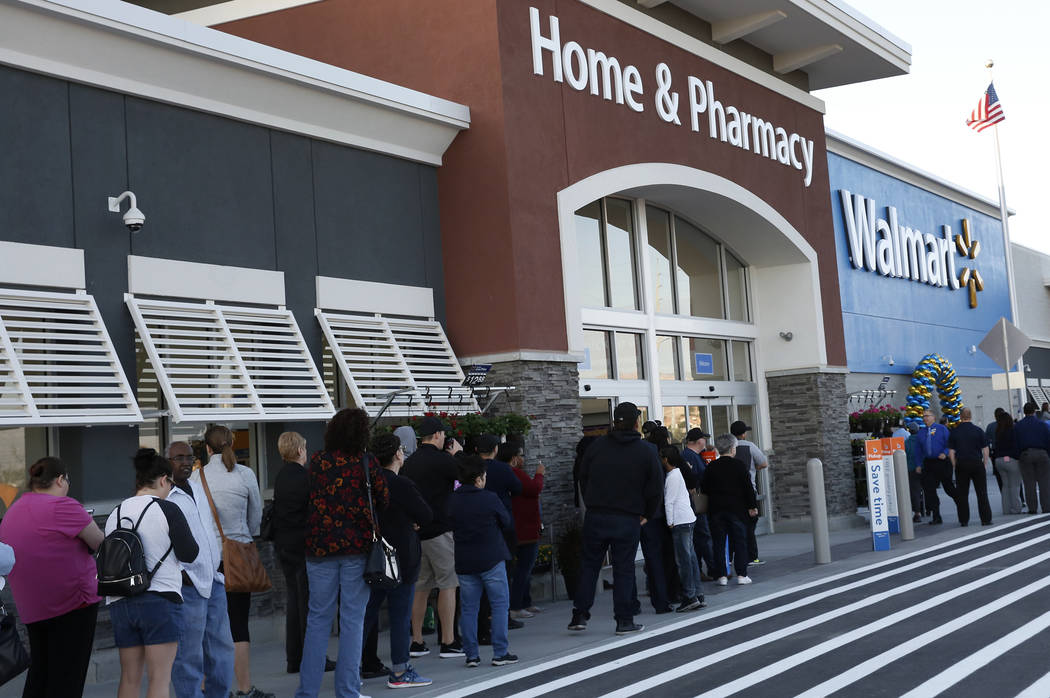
933,371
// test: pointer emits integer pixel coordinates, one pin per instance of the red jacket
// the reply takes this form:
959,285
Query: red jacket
526,507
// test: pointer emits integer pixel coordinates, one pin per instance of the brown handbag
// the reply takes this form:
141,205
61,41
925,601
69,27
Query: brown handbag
241,565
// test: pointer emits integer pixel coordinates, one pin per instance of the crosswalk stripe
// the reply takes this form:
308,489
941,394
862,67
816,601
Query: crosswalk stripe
960,670
993,535
645,654
784,665
1039,689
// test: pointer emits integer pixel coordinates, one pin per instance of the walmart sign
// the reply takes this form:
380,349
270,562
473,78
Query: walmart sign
889,247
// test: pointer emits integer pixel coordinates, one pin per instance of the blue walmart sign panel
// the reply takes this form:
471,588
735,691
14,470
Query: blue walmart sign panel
906,280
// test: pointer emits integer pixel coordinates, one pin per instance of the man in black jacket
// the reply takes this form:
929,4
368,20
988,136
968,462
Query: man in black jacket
622,484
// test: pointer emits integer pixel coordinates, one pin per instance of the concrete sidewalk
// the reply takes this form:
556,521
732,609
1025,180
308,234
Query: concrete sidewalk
788,561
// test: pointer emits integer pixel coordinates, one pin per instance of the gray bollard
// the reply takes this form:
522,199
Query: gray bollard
818,511
900,476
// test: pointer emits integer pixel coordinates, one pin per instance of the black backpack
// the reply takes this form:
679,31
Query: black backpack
121,559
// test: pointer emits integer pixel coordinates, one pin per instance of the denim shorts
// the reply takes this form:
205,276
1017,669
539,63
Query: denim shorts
147,619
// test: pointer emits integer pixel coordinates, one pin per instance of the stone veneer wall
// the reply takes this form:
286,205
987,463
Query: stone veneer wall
809,420
547,392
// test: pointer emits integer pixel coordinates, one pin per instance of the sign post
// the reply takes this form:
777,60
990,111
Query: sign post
894,507
878,493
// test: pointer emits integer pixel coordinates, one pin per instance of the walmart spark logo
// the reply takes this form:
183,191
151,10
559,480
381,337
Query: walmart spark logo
969,276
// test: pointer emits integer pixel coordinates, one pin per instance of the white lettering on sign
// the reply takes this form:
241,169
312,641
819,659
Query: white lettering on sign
884,246
607,77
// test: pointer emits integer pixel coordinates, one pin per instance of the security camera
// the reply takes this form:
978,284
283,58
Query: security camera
891,360
587,387
133,218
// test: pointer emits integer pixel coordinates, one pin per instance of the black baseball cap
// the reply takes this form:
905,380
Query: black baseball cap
627,412
695,434
739,428
486,443
431,425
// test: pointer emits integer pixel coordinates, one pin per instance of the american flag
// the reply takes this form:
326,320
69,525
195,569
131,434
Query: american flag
988,112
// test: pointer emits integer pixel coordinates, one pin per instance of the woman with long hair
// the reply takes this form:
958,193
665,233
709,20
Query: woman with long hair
53,580
239,503
146,627
1005,457
339,529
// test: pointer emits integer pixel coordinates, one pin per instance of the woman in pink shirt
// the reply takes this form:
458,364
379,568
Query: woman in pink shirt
53,580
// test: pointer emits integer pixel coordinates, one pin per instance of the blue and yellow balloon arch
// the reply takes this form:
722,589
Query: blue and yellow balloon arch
933,371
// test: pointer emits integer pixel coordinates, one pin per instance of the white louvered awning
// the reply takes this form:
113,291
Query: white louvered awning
57,363
218,362
377,356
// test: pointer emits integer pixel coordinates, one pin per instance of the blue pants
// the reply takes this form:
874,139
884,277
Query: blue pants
685,558
494,582
617,533
205,645
339,580
399,607
519,589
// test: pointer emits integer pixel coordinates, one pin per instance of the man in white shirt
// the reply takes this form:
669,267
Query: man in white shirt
205,645
755,460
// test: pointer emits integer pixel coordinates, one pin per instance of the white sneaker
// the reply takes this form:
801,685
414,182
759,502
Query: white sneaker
743,580
523,613
722,581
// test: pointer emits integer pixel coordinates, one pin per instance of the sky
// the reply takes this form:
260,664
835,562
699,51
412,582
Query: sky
920,118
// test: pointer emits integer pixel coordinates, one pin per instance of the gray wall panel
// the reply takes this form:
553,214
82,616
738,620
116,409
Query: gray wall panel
204,184
36,203
368,216
434,268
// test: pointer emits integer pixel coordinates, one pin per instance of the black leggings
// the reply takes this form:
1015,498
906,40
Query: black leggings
238,604
60,651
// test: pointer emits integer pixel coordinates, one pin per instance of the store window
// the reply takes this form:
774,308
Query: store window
746,414
629,365
605,253
669,358
741,360
658,224
597,360
675,421
20,447
705,359
736,289
697,271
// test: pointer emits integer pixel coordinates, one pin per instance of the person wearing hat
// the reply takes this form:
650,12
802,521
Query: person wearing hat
755,460
622,483
695,445
435,471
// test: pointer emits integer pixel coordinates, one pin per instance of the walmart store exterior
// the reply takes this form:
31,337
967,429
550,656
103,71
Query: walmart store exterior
604,200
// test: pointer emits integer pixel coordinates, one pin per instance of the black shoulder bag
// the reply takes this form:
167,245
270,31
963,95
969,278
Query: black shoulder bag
382,570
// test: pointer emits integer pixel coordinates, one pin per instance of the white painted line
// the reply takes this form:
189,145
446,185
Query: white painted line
806,655
904,649
638,656
960,670
1039,689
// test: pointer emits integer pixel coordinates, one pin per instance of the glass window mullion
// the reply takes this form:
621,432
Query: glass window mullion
603,236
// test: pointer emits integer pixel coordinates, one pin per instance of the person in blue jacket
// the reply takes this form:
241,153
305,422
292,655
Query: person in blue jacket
936,469
478,520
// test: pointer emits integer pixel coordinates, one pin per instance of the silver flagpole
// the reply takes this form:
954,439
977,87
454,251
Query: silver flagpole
1005,217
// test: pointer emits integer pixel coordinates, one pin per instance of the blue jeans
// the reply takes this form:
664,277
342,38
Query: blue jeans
685,558
494,582
337,580
205,645
619,534
705,551
726,524
519,588
399,607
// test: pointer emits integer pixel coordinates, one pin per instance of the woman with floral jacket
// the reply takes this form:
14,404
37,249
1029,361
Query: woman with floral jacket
338,537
